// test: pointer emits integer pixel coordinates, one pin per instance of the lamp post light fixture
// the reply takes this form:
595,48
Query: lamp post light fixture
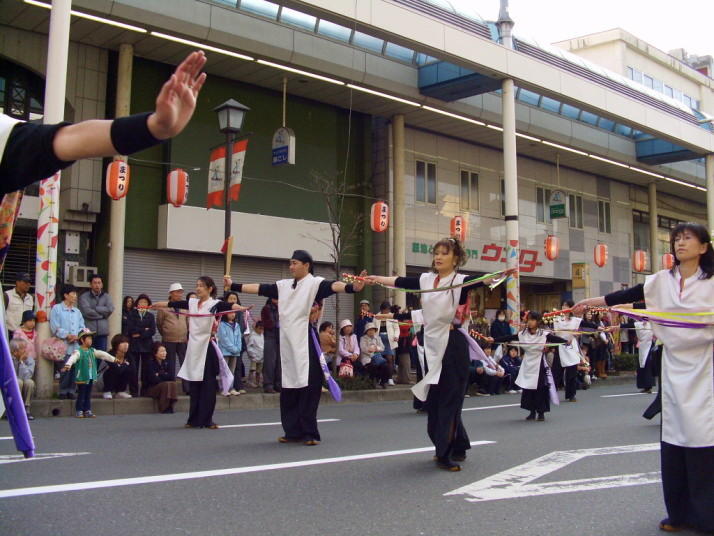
231,115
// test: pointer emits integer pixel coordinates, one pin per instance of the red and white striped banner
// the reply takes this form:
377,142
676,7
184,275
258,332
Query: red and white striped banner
216,173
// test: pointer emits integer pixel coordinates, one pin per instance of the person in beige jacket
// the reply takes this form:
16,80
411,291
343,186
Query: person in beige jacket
174,331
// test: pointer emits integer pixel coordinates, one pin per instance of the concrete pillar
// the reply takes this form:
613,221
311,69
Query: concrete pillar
399,216
510,176
48,221
117,216
654,254
710,191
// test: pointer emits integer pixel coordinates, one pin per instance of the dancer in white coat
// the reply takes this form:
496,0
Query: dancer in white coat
645,369
569,353
687,382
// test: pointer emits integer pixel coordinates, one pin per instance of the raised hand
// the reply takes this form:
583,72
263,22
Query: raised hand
359,284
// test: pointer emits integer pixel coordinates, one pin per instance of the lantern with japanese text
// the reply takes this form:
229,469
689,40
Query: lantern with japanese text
552,247
459,228
600,255
667,261
117,184
177,187
639,260
379,216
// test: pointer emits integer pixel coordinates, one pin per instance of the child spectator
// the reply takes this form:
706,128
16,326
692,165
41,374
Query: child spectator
255,352
85,358
160,381
328,341
511,362
26,332
230,343
348,351
117,375
24,370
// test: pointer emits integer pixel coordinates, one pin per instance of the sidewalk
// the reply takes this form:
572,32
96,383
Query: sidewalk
254,399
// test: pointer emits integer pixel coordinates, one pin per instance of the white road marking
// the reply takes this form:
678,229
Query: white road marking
515,482
266,424
79,486
628,394
14,458
5,438
491,407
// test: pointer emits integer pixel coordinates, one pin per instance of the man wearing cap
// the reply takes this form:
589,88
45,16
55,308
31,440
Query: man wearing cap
365,317
174,331
96,306
301,372
17,301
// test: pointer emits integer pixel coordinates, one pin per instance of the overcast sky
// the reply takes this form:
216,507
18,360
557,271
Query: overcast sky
666,24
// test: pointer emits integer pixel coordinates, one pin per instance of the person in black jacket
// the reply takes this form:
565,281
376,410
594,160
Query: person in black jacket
500,327
141,327
127,305
160,383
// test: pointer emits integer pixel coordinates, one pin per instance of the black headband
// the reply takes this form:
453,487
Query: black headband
303,256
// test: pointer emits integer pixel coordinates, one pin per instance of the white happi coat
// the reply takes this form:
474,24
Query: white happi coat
294,306
7,123
533,344
199,337
644,338
569,353
687,359
438,310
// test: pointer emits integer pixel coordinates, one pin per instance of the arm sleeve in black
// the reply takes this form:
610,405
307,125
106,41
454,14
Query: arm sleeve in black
269,290
507,338
555,339
629,295
29,156
325,290
180,304
221,306
411,283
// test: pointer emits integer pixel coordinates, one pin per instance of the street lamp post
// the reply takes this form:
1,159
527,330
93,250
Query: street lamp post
231,115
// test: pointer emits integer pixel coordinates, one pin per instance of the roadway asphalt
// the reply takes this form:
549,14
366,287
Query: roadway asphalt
364,479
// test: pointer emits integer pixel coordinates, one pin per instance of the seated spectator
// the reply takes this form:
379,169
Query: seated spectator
348,351
487,374
24,370
584,371
117,375
256,346
511,363
26,332
371,348
160,381
328,341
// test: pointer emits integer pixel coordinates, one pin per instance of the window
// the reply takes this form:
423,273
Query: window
570,111
603,217
469,191
335,31
575,205
298,19
260,7
425,181
668,91
367,41
549,104
648,81
503,197
399,52
528,97
543,205
588,117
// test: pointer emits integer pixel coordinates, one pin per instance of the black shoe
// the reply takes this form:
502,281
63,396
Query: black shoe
62,396
447,465
572,399
458,457
30,417
168,410
541,417
667,526
269,390
70,396
531,416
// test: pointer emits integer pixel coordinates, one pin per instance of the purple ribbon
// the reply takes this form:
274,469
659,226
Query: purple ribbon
331,383
14,405
664,321
552,390
225,377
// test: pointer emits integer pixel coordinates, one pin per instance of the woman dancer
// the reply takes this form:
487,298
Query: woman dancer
202,363
302,376
569,354
533,374
446,349
687,381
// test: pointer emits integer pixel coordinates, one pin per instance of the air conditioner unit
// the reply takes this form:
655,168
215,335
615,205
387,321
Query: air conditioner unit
81,276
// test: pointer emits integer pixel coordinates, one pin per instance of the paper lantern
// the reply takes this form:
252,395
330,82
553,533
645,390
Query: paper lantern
667,261
600,255
177,187
552,247
459,228
639,260
117,179
379,217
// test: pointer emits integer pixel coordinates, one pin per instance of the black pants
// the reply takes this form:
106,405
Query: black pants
117,379
646,374
271,360
537,399
688,485
570,378
84,396
379,372
176,351
203,393
446,399
139,361
298,407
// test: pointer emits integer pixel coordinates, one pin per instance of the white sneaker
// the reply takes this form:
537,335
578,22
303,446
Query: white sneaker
390,382
233,392
107,395
512,392
123,395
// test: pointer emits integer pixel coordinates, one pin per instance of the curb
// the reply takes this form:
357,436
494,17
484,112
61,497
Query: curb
143,405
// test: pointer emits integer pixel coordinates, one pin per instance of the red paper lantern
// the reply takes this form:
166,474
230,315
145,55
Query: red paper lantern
639,260
600,255
667,261
177,187
379,217
459,228
117,185
552,247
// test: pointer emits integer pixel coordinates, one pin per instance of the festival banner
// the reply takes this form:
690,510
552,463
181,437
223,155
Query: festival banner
216,173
